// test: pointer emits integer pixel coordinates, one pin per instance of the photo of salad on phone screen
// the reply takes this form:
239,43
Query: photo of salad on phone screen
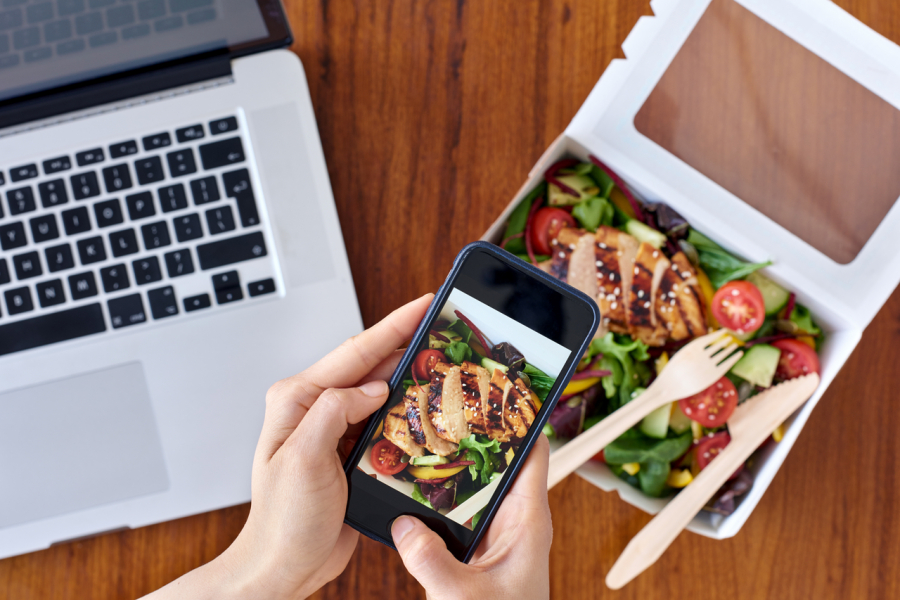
464,406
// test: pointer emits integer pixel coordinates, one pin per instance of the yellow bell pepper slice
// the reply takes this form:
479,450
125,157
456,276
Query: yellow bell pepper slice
708,291
679,478
631,468
621,202
778,434
808,340
432,473
579,385
661,362
509,456
379,430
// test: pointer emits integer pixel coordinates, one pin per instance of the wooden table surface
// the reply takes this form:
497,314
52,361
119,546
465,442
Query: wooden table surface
431,114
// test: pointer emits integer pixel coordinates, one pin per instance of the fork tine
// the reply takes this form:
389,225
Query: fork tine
729,362
718,345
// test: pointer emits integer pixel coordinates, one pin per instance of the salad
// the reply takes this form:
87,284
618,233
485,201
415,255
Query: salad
466,405
658,284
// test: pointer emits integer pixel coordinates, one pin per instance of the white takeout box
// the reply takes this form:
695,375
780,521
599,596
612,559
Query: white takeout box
843,297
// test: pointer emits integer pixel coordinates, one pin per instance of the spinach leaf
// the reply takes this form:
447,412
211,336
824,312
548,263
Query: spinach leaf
458,352
625,350
519,218
484,448
593,212
541,385
604,181
803,319
533,370
652,477
718,263
419,497
459,326
477,518
641,449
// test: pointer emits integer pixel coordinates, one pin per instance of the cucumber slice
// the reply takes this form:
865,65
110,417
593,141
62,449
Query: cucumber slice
758,365
678,421
643,233
490,365
429,460
656,424
774,296
744,337
584,185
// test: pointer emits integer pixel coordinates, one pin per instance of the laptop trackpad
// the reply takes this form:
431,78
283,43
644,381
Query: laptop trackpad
77,443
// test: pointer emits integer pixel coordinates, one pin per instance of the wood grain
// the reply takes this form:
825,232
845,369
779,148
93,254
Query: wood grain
431,114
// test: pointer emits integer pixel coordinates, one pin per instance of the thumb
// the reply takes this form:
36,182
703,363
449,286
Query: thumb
426,557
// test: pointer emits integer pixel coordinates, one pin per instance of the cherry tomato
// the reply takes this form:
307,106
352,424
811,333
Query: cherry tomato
386,458
424,363
546,225
796,359
713,406
709,447
599,457
739,306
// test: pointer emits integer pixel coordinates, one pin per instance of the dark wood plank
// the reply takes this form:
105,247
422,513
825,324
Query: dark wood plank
431,114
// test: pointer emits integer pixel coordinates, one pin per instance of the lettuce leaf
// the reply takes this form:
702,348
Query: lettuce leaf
634,447
419,497
458,352
625,351
593,212
519,218
652,477
718,263
481,452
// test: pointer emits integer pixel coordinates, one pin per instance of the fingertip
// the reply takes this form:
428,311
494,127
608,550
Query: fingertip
401,527
374,389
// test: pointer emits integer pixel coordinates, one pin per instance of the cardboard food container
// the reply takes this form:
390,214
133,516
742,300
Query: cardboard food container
773,127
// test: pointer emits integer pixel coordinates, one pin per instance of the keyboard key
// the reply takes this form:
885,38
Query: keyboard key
53,193
76,220
127,310
20,200
231,251
10,18
123,242
82,285
149,170
187,134
70,47
237,186
25,38
197,302
23,172
89,23
220,154
108,212
181,162
123,149
135,31
91,250
44,229
205,190
59,258
140,206
222,125
89,157
55,165
146,270
39,12
18,300
220,220
51,293
51,328
117,177
156,235
119,16
188,227
27,265
172,197
154,142
224,281
36,54
85,185
179,263
57,30
4,272
114,278
229,295
12,236
162,302
258,288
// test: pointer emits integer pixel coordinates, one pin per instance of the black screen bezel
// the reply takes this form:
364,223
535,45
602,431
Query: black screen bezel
367,510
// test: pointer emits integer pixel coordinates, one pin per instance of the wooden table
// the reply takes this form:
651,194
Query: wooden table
431,114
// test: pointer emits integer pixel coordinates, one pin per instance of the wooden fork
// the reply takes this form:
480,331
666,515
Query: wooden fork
749,426
691,370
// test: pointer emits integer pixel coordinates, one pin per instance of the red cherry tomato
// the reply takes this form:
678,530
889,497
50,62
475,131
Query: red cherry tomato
386,458
796,359
546,225
739,306
599,457
424,363
709,447
713,406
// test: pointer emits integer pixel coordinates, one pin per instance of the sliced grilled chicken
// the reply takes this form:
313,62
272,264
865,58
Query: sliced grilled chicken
446,403
494,407
649,267
396,429
678,305
421,429
614,254
519,409
475,381
575,247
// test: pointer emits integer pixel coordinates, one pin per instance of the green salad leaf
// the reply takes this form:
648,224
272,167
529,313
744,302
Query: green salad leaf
718,263
635,447
458,352
611,382
477,518
419,497
625,351
541,383
604,181
593,212
459,326
480,451
802,318
652,477
518,219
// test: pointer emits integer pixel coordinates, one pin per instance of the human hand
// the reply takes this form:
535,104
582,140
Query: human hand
513,560
294,540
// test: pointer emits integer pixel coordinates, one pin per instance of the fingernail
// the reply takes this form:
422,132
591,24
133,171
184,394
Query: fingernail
374,388
401,526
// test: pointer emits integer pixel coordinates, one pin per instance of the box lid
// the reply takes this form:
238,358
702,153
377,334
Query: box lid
773,126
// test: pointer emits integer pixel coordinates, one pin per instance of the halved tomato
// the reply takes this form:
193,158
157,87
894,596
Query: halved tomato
386,458
599,457
713,406
424,363
546,225
709,447
796,359
739,306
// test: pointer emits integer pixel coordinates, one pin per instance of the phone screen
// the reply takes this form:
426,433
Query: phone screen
468,399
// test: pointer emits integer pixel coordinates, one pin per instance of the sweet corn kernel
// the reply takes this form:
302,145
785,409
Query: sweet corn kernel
778,434
631,468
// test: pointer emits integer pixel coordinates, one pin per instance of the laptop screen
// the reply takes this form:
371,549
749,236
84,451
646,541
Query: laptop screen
46,44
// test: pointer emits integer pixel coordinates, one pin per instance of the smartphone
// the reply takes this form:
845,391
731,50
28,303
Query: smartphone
472,392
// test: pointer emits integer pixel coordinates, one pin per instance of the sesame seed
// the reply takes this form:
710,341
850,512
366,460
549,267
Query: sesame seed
613,306
646,304
701,406
599,263
655,253
612,276
555,242
735,293
562,254
640,293
685,275
675,287
616,291
599,275
636,271
602,245
675,268
671,294
571,246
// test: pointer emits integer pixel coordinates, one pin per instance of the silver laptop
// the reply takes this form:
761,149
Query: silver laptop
169,247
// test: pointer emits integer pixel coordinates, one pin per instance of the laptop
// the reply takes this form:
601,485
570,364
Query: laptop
169,248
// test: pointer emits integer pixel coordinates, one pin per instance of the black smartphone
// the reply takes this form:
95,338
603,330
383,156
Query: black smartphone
473,391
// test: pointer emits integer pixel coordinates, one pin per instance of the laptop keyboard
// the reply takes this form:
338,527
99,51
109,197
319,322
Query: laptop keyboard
129,233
